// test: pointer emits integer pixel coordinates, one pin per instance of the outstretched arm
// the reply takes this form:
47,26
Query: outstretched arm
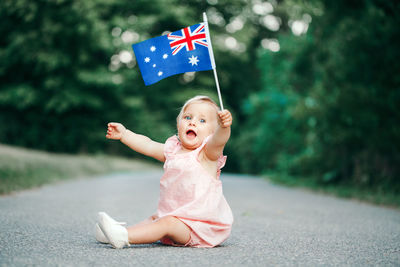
214,148
140,143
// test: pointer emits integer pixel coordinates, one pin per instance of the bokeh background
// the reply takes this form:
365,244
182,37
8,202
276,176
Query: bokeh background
314,86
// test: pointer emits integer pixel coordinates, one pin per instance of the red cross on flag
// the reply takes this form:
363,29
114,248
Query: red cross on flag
187,38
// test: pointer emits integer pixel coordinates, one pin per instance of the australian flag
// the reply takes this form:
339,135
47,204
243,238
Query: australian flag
182,51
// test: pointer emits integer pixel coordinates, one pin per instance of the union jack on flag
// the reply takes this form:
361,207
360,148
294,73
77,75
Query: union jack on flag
187,38
164,56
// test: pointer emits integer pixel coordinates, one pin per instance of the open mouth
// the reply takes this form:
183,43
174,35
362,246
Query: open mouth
191,134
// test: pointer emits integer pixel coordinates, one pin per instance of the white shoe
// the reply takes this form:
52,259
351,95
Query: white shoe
116,234
100,235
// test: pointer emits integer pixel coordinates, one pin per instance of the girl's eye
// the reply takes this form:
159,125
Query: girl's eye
202,120
187,118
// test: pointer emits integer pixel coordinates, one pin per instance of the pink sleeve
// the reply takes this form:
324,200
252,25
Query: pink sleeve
221,161
170,146
221,164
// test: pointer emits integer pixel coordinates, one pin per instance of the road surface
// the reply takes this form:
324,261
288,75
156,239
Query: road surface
53,226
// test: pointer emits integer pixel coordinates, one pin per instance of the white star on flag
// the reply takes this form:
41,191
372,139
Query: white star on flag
185,50
193,60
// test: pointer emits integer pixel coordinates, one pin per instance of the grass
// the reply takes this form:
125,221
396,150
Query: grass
24,168
376,196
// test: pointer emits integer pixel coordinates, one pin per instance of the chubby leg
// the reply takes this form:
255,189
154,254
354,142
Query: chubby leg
151,219
150,232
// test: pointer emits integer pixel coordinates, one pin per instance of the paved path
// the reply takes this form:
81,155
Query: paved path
53,226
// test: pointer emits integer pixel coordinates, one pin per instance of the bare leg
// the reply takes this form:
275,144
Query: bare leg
169,226
151,219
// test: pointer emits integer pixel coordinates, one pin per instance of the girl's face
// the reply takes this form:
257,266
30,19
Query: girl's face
198,121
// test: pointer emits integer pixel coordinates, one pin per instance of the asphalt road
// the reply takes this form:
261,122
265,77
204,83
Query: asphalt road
53,226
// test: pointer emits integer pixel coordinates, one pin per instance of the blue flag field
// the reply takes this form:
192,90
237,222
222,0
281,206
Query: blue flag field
186,50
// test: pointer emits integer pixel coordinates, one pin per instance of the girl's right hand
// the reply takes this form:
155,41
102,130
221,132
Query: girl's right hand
115,130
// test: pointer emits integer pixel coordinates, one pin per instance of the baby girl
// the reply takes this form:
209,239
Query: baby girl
192,210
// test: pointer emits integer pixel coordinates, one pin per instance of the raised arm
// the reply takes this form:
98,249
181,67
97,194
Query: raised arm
140,143
215,147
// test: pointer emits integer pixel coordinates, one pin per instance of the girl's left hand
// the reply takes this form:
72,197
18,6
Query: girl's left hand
226,118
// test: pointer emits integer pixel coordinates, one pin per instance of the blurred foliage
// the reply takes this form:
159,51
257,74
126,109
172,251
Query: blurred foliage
328,107
313,85
63,77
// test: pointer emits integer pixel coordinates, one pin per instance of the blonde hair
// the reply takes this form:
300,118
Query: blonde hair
199,98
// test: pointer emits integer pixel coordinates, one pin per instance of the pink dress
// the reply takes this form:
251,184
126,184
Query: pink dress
191,194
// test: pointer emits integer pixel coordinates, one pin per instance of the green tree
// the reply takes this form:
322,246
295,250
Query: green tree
67,68
328,107
54,77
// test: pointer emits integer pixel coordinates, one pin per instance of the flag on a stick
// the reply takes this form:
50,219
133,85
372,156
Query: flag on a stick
186,50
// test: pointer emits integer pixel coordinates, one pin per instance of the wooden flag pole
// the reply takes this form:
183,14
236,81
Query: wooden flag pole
210,50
